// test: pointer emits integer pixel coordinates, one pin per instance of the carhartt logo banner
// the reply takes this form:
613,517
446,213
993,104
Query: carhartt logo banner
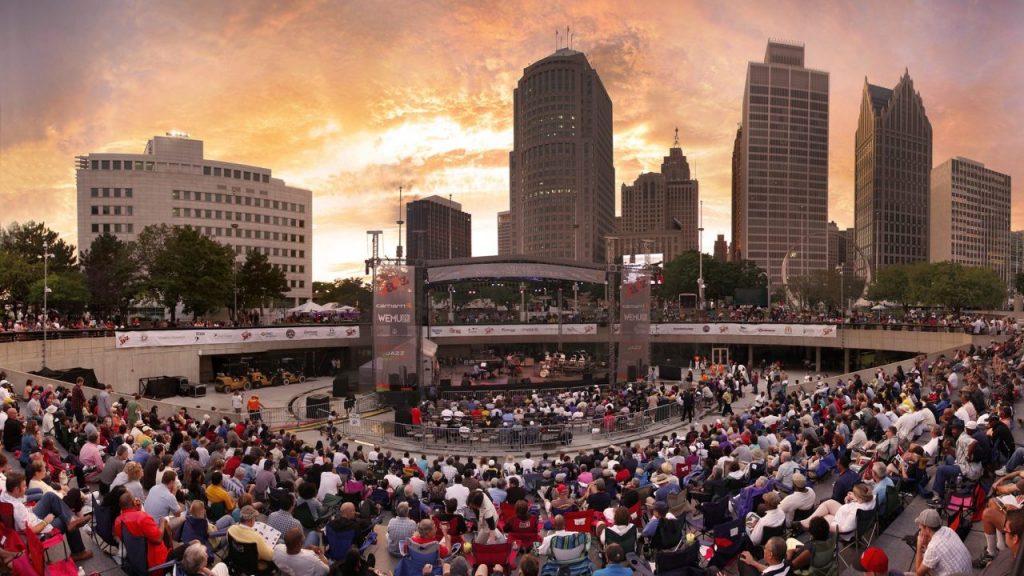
157,338
394,327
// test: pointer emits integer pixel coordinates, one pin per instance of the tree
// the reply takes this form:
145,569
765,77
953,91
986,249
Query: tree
259,281
112,275
345,291
68,294
193,270
890,285
947,284
16,276
721,279
29,240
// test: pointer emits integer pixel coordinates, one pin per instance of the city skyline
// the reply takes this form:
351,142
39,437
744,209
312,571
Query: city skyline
364,100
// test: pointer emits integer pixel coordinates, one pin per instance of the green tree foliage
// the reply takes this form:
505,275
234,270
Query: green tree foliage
1018,282
68,293
259,282
345,291
112,275
827,287
944,284
16,276
721,279
193,270
29,241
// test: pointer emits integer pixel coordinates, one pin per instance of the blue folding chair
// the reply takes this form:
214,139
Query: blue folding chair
339,543
735,533
103,527
134,562
416,556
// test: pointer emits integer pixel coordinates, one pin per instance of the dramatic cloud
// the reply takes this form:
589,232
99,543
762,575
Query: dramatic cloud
353,99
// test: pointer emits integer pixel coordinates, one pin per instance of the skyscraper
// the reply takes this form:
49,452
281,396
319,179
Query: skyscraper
841,251
652,206
739,220
970,216
721,249
781,202
892,170
504,233
172,182
561,175
437,229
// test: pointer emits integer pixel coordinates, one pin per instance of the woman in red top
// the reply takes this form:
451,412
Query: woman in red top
524,527
449,523
141,524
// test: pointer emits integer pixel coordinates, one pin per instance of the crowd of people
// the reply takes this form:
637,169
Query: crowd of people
193,487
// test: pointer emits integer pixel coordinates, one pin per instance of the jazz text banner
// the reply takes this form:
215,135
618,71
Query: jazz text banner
510,330
765,330
203,336
394,328
635,326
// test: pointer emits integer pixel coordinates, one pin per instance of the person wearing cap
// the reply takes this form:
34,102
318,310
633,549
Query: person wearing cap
940,552
964,464
660,514
244,533
773,518
617,565
874,562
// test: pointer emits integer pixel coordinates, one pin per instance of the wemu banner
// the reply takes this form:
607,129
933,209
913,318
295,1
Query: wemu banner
394,328
635,325
206,336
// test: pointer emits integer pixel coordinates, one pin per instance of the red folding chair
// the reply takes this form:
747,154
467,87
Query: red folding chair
493,555
636,516
582,521
682,471
506,512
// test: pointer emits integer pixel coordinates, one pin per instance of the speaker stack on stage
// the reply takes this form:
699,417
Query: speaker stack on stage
340,389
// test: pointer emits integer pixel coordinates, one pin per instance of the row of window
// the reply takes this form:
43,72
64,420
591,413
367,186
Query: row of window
219,198
236,174
250,233
113,228
283,252
121,165
297,283
236,216
110,192
111,210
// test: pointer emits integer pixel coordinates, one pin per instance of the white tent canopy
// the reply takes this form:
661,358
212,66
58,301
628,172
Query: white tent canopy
336,307
307,308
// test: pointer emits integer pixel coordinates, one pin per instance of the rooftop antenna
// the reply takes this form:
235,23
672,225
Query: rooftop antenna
398,252
675,143
556,39
567,35
570,40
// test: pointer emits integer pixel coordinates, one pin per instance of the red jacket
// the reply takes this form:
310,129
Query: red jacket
138,523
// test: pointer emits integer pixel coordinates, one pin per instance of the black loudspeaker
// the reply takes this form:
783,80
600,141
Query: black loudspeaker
403,419
318,406
394,380
588,378
670,372
446,382
631,373
340,386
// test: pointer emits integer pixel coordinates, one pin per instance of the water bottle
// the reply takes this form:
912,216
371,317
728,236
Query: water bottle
81,571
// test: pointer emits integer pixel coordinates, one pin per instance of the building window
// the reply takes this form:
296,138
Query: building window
266,178
94,210
216,171
117,210
105,164
117,192
106,228
129,228
207,171
117,164
95,228
94,192
238,174
95,166
128,192
175,194
129,210
176,212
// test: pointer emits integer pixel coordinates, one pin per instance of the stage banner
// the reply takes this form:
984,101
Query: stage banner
510,330
754,330
394,327
635,324
204,336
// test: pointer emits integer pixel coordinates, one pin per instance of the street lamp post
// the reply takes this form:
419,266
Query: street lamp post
234,277
842,289
46,294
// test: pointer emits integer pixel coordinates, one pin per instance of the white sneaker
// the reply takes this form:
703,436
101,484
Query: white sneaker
1001,472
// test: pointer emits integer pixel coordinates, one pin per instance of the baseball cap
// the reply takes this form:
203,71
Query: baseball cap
661,507
874,560
971,425
929,518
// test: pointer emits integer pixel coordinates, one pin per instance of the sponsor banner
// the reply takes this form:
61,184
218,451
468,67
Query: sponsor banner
510,330
766,330
394,327
635,324
201,336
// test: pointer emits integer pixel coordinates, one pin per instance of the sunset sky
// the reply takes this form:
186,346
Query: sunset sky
353,99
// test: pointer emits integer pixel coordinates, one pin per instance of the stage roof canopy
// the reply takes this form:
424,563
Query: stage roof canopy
522,268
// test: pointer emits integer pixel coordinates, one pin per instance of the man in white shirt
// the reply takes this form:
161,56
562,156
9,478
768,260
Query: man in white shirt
773,518
558,529
774,563
527,463
457,491
800,499
293,560
55,514
394,480
330,481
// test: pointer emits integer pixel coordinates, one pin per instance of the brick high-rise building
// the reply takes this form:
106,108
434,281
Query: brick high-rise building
892,170
172,182
561,172
739,220
781,202
970,216
652,206
504,233
721,249
437,229
841,248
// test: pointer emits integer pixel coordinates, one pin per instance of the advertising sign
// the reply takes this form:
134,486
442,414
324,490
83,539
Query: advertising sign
510,330
204,336
765,330
394,328
635,324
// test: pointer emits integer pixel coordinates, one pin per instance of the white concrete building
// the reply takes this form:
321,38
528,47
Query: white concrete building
172,183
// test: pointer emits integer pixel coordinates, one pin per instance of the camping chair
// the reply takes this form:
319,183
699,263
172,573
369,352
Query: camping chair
729,540
134,562
636,515
493,555
713,513
102,527
339,543
216,511
678,562
7,514
678,504
415,556
628,541
823,559
304,515
569,555
582,521
506,512
861,535
799,516
893,507
198,529
243,558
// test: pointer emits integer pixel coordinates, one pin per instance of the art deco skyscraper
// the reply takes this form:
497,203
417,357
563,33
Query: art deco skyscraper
782,194
892,171
561,175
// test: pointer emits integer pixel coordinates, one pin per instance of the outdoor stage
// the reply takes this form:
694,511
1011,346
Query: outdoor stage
529,377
